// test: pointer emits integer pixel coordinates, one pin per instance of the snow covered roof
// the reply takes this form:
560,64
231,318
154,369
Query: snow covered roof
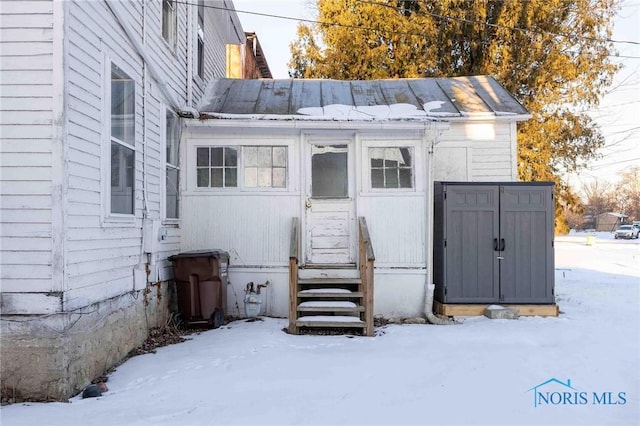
377,100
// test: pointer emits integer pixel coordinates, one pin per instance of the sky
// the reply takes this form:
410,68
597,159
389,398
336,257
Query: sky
480,371
618,114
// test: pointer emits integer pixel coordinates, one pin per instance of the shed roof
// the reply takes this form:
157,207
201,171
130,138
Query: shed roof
379,100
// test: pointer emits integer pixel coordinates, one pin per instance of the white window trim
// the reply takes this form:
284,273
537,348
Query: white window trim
416,152
192,184
108,218
163,183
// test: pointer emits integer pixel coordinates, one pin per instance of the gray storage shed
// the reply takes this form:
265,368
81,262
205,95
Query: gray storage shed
493,242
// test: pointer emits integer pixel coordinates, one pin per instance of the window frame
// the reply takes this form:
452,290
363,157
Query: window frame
171,39
416,147
397,168
108,217
168,165
200,40
209,167
192,178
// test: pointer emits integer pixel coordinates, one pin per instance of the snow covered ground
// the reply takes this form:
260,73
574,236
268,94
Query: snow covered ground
479,372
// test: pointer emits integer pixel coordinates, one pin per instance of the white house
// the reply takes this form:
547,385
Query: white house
265,154
92,92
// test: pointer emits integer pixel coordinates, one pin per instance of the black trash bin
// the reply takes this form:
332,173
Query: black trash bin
201,283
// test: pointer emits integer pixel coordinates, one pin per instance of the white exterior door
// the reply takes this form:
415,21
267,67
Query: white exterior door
329,207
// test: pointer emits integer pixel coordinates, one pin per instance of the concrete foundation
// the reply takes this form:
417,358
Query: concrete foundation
53,357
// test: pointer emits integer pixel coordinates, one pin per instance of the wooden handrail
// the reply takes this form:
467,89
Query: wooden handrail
294,243
364,236
294,254
366,259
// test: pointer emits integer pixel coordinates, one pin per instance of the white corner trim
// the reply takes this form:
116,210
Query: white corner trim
59,179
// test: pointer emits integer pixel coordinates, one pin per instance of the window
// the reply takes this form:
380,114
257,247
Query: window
391,167
265,166
200,65
217,167
329,171
169,21
172,141
259,166
122,170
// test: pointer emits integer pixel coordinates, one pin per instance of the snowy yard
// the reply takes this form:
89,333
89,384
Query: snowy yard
479,372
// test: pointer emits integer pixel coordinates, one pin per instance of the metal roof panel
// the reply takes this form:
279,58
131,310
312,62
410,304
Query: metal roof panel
392,99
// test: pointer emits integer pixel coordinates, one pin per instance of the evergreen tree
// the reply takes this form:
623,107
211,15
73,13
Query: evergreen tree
553,55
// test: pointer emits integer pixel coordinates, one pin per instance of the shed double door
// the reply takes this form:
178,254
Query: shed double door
496,243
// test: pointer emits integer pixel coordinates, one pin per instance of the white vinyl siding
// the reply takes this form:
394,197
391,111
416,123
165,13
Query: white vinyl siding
102,254
30,125
477,152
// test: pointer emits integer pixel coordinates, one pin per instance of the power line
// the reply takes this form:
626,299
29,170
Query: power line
487,24
365,28
615,163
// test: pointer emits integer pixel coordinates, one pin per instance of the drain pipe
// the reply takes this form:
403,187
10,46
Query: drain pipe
432,133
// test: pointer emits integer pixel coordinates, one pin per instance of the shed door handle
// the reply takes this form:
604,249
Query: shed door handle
495,244
502,244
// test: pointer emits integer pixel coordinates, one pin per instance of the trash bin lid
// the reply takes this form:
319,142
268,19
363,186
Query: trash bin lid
214,253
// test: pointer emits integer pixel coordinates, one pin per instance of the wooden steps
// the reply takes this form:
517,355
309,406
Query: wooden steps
331,299
329,303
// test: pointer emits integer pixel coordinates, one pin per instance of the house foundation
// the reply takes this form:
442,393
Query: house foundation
52,357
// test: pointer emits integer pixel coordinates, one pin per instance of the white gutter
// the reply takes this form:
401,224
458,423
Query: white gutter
424,118
115,8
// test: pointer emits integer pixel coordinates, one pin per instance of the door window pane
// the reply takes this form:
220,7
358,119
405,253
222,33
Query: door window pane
329,174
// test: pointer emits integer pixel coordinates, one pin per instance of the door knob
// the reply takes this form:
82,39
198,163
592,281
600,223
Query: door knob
307,203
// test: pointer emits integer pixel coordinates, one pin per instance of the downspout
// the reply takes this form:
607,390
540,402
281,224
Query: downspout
429,287
144,261
190,36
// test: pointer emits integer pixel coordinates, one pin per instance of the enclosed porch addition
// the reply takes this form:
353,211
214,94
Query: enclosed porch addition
302,181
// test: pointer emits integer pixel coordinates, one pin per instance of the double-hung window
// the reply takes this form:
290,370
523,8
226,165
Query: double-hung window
172,142
122,157
391,167
169,22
